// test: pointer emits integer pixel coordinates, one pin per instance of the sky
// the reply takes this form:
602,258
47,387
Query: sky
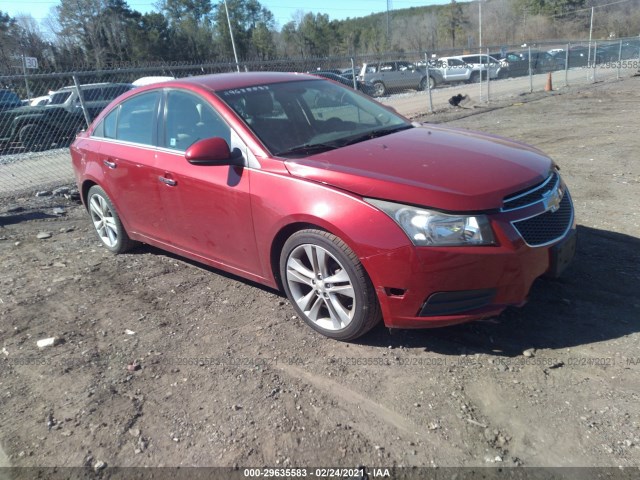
283,10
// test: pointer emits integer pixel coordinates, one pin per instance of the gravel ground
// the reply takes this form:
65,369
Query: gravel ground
165,362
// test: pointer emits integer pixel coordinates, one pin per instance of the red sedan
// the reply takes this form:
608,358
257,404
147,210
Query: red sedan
302,184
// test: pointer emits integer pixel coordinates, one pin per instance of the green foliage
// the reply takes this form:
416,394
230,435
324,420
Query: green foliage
453,21
551,7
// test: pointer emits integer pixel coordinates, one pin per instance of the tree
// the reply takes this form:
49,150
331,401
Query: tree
247,17
9,43
551,7
97,28
263,42
453,20
312,35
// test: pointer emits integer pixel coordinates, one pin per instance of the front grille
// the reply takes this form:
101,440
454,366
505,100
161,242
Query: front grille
531,195
548,226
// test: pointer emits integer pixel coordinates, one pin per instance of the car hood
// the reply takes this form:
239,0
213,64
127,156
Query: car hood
443,168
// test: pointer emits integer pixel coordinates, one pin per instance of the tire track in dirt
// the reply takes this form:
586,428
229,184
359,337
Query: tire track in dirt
345,394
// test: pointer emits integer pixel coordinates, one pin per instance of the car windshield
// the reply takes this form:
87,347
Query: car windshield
295,119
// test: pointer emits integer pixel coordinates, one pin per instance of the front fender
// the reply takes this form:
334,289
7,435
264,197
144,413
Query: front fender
280,200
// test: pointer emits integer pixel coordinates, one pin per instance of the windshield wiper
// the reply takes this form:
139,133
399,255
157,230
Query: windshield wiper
374,134
307,149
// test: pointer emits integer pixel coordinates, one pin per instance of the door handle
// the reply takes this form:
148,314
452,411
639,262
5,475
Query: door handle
167,181
109,164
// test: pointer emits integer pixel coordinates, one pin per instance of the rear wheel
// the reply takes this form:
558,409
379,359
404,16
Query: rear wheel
34,139
379,89
328,286
475,76
429,82
107,222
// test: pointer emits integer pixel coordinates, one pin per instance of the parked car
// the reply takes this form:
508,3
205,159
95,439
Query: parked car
39,101
517,62
364,87
579,56
57,122
476,65
9,100
452,69
349,72
355,212
149,80
396,75
611,52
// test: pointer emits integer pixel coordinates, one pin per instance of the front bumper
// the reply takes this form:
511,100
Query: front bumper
424,287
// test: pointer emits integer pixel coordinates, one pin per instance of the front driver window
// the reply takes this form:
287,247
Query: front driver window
190,118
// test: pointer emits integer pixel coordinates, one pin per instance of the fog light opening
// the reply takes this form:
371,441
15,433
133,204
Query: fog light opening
394,292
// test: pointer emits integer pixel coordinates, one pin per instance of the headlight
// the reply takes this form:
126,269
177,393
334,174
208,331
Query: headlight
429,228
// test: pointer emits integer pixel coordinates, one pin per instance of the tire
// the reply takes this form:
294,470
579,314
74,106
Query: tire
474,77
343,308
378,89
106,221
423,83
33,140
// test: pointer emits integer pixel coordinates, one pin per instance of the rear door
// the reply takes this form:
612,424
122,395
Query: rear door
128,136
409,76
456,70
390,75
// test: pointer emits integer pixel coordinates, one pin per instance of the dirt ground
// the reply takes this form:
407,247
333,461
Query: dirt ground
164,362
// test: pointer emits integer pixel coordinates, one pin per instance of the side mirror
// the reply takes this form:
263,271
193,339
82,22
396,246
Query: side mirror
212,151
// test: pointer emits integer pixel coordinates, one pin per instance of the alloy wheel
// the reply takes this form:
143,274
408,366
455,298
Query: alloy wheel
321,287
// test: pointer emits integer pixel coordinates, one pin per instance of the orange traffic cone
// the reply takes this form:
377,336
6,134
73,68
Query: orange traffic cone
549,86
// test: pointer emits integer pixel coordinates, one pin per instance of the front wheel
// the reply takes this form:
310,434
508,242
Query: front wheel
107,222
379,89
35,138
328,286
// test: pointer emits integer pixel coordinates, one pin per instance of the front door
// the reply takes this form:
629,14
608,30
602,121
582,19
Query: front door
206,209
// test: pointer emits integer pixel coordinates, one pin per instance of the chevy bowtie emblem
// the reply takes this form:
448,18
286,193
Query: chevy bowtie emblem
552,199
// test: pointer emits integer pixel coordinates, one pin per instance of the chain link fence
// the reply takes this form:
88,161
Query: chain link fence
41,113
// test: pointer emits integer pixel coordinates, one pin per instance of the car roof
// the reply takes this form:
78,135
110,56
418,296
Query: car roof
92,85
227,81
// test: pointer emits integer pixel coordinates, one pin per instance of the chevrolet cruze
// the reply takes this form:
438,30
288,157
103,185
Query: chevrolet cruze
301,184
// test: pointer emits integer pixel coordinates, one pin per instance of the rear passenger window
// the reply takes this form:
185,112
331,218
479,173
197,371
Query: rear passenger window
110,124
132,121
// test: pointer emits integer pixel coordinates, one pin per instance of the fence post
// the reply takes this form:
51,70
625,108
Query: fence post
480,58
81,97
353,69
619,59
595,60
530,73
488,77
26,82
566,66
426,60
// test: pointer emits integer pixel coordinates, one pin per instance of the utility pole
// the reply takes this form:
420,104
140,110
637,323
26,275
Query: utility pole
480,25
389,8
590,35
233,43
480,44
